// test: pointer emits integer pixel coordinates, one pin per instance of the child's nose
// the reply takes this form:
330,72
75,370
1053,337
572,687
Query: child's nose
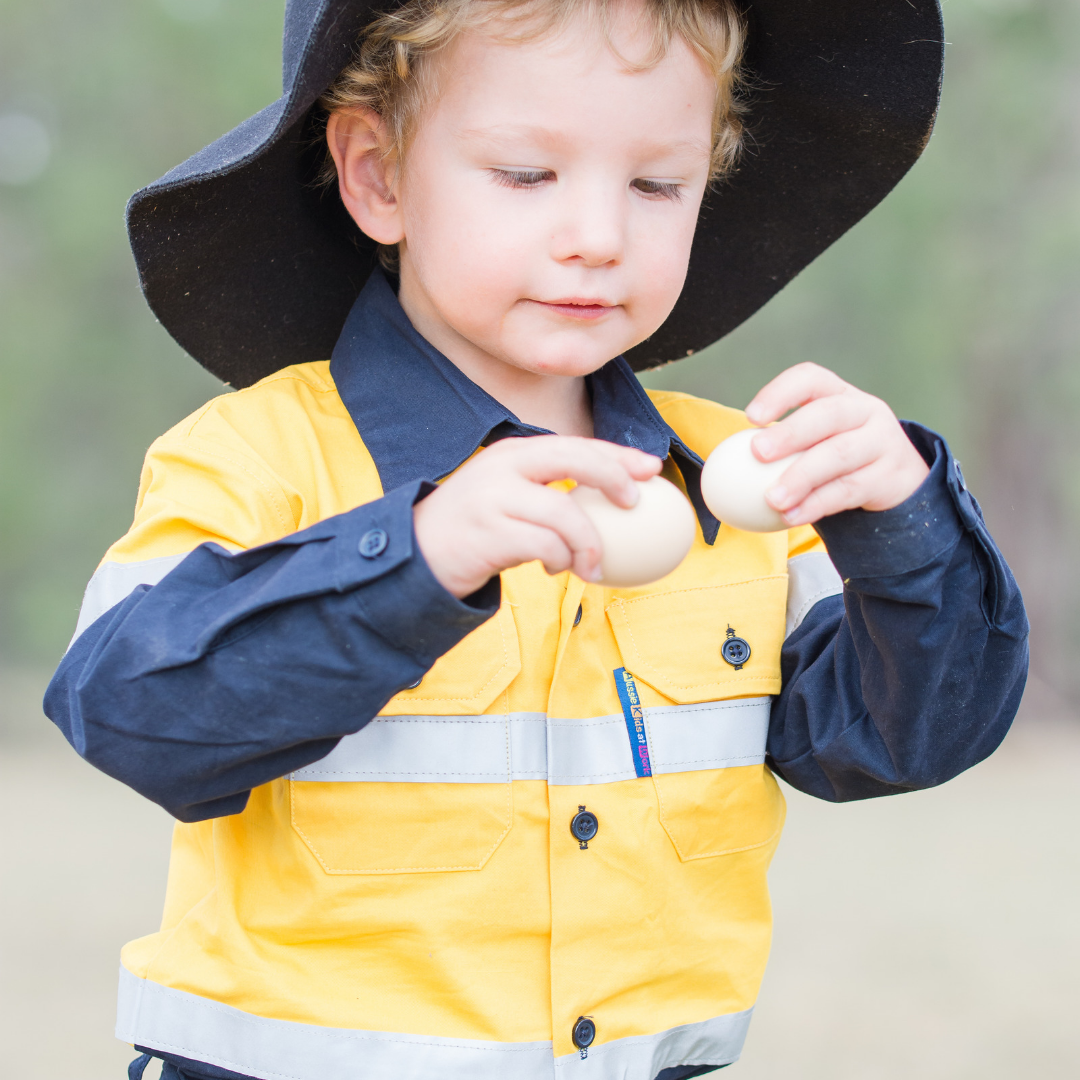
593,229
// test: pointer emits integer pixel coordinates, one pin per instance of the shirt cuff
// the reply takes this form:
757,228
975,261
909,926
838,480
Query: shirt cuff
868,543
403,602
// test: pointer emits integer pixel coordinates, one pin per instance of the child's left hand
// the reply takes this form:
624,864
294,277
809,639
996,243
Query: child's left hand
857,455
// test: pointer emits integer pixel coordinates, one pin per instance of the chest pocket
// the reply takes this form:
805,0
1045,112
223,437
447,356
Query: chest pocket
715,794
425,787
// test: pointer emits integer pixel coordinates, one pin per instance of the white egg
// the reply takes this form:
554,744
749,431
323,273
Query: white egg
734,482
646,542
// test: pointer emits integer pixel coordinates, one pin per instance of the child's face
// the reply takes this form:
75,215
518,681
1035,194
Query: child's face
548,201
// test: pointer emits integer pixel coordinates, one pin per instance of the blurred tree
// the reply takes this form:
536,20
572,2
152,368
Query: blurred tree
125,90
956,300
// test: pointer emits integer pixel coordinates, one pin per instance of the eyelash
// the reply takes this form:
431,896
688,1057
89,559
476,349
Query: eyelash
524,178
531,178
660,188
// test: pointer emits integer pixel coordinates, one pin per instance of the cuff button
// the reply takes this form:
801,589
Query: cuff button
373,543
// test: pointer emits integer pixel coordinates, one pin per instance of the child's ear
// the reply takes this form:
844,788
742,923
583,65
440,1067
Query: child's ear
363,153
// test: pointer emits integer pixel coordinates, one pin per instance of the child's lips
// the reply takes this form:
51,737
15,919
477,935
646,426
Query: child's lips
576,307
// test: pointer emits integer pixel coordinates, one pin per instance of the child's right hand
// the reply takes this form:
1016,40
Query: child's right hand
496,511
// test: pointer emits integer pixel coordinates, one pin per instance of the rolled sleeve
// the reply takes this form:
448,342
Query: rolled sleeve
236,669
915,674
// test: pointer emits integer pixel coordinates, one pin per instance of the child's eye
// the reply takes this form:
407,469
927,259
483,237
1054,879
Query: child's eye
522,178
664,188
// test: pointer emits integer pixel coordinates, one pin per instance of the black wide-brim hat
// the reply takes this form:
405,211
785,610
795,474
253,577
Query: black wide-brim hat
251,268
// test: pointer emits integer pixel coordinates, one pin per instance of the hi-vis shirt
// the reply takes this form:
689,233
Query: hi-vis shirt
523,835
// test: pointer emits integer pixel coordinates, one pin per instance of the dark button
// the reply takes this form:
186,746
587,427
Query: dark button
584,825
414,685
584,1032
373,543
577,617
735,651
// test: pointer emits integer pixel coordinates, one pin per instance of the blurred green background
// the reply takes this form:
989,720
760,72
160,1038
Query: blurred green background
930,936
958,300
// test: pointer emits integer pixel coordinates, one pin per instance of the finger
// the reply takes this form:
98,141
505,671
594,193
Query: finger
790,389
557,512
593,462
814,422
847,492
522,542
822,464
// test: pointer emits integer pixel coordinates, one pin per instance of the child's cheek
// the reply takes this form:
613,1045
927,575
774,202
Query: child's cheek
658,273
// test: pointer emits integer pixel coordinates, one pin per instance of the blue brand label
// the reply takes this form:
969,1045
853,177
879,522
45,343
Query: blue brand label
635,720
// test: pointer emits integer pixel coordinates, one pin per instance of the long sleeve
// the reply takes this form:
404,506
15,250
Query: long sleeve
916,672
235,669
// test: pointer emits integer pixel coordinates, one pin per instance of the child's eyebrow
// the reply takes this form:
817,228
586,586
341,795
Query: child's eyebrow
514,135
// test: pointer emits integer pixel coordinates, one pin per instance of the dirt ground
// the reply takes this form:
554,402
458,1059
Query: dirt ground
933,936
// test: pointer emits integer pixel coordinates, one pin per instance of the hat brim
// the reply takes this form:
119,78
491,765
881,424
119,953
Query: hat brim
251,268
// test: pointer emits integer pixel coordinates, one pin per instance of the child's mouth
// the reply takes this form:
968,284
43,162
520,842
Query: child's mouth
578,307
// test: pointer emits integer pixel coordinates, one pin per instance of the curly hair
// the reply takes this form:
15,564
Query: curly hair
390,75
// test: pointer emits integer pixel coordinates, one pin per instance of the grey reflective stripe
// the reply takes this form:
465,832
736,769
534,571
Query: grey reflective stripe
177,1022
529,746
190,1026
113,581
811,577
718,1041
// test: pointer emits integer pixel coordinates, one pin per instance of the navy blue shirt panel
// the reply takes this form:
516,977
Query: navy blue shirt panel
237,669
420,416
914,674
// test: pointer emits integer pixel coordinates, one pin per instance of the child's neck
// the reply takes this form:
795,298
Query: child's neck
558,403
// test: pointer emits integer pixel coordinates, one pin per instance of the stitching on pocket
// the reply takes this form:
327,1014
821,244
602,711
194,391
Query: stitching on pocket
423,869
665,822
499,621
641,664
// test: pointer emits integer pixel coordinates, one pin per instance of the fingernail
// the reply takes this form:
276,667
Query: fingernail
777,497
597,575
632,495
753,413
763,445
793,517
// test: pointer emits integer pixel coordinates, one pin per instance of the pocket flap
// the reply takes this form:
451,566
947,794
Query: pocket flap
673,640
468,678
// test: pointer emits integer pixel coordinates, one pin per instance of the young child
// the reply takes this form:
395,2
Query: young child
355,640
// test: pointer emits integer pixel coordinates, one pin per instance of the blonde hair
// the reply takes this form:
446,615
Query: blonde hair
389,73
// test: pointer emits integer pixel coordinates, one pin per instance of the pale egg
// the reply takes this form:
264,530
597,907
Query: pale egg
646,542
734,482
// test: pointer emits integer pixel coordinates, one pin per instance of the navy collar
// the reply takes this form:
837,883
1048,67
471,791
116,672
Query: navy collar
420,417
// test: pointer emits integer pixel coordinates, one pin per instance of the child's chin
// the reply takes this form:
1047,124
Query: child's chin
571,364
568,354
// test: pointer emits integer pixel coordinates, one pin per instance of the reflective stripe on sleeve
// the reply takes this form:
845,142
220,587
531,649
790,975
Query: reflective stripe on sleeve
114,581
529,746
811,577
174,1021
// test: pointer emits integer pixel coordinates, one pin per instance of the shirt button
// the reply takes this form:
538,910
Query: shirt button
736,651
584,826
373,543
584,1032
414,685
577,617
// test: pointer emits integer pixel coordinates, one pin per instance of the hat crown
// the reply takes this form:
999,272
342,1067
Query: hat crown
252,268
300,17
317,43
